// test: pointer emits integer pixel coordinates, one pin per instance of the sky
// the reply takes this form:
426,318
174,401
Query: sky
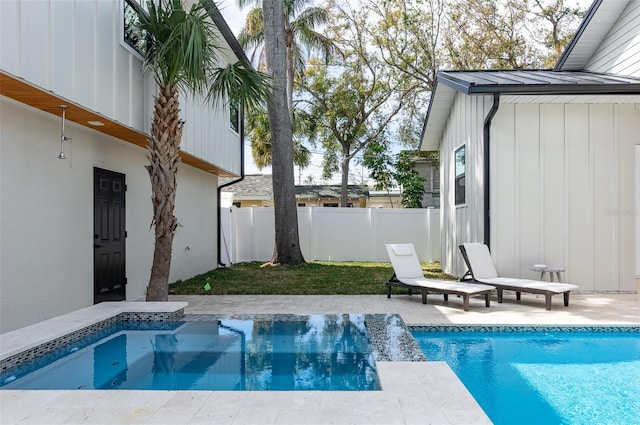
235,18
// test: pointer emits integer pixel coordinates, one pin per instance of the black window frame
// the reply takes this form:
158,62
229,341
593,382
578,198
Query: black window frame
460,173
137,41
234,117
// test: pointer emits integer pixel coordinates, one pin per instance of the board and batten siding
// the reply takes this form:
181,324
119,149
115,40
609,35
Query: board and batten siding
562,191
619,52
75,50
462,223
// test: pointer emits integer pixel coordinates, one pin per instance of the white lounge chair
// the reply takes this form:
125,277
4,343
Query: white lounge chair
482,270
408,274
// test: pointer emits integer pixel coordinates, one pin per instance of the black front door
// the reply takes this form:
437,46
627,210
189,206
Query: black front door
109,277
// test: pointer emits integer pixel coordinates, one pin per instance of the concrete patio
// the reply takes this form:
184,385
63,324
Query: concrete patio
412,392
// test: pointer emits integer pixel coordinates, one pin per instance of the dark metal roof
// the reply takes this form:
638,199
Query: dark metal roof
538,82
514,82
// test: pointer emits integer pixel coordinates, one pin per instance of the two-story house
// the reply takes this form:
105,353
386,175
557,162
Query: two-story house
75,198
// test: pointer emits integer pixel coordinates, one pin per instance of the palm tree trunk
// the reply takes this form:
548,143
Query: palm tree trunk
287,243
164,158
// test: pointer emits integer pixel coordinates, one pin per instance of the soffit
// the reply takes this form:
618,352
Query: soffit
21,91
594,28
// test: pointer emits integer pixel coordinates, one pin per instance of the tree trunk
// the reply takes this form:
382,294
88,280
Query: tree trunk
344,195
287,244
291,66
164,158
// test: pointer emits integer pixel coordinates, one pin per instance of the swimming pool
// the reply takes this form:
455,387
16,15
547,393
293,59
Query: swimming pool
313,352
544,375
210,352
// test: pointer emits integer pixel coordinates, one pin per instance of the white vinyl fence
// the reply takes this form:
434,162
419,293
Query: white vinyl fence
338,234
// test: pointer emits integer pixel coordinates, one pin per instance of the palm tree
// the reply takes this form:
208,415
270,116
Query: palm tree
260,136
300,25
182,57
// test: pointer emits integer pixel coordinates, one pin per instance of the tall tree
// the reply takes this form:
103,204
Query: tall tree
508,34
354,101
301,20
182,55
554,27
287,242
260,136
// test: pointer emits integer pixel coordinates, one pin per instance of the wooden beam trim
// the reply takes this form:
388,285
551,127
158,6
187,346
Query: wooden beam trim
24,92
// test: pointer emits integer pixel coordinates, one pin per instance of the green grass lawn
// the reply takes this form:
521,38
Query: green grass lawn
313,278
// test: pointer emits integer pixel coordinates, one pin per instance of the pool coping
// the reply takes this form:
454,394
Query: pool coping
50,334
412,392
410,389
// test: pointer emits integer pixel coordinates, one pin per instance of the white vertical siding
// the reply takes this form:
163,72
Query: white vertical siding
464,223
619,53
73,49
637,215
552,207
562,184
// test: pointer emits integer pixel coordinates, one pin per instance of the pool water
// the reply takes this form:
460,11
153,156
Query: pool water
315,352
544,377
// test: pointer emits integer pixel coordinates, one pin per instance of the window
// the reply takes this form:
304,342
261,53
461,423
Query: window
460,192
330,204
302,204
134,38
234,117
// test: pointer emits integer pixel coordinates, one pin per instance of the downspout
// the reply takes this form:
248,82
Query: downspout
487,164
241,116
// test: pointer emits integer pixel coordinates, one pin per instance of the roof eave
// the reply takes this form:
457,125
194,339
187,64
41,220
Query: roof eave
224,29
576,37
536,89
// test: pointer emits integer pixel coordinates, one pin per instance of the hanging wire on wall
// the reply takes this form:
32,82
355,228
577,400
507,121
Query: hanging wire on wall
63,138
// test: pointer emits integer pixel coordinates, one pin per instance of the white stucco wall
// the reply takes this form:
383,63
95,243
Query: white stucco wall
46,216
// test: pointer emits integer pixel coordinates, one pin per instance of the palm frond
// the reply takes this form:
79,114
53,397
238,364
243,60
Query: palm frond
240,83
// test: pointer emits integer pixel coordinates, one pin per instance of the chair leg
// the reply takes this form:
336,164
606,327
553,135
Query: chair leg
424,297
487,300
566,299
499,294
518,296
547,300
446,297
388,291
465,301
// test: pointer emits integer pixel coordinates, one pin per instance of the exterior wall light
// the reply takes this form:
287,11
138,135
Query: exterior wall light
63,138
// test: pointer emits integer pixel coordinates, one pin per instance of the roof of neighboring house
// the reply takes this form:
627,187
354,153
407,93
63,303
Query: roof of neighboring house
566,79
595,26
259,186
331,191
254,186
